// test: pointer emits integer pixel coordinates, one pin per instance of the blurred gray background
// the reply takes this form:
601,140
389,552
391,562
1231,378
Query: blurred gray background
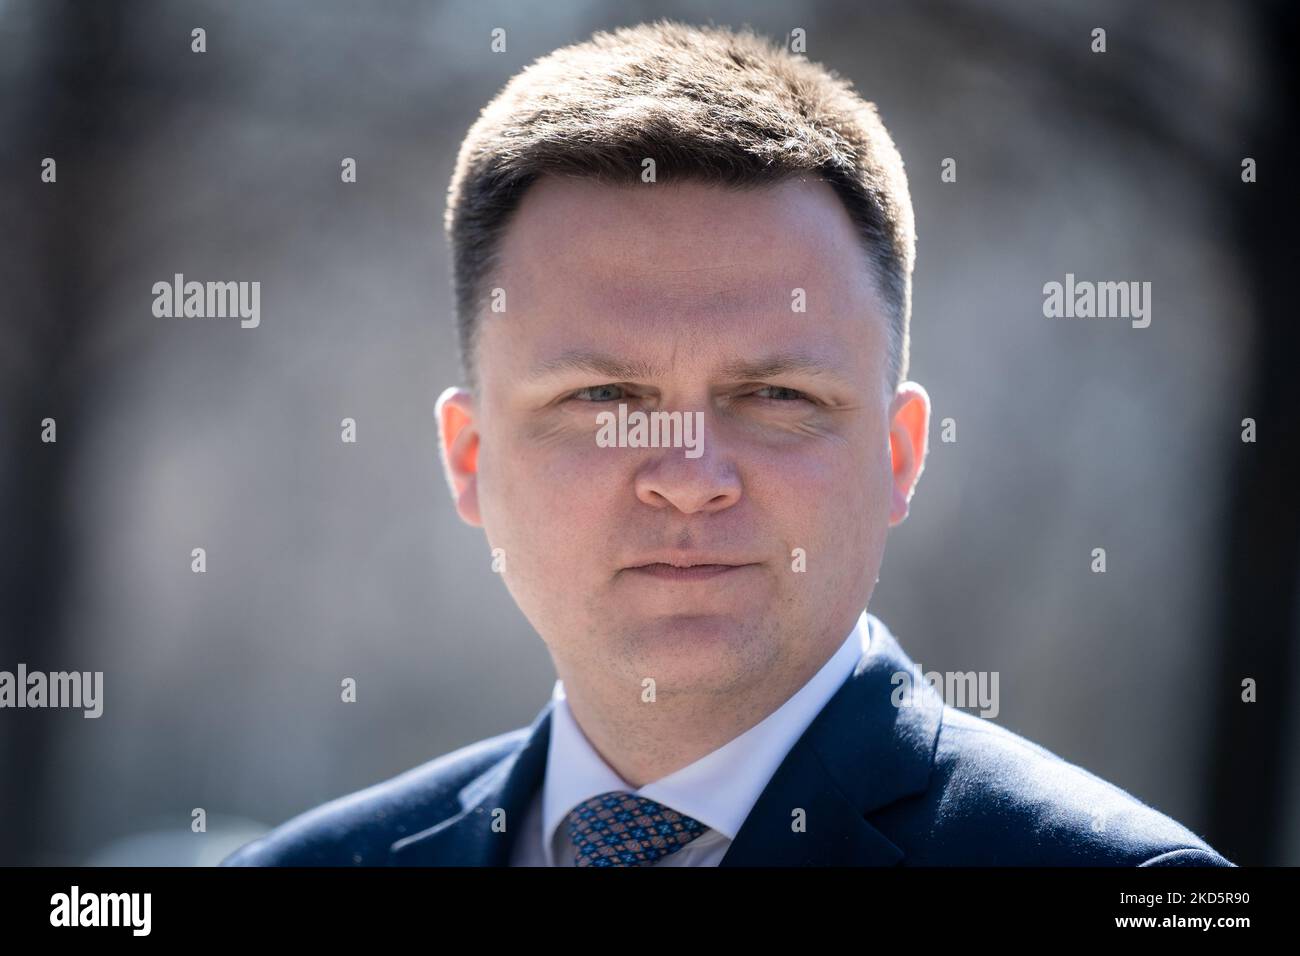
328,560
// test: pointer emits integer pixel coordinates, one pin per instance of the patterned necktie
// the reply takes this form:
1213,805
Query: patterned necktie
621,829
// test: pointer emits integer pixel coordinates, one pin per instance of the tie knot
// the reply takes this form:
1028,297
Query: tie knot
622,829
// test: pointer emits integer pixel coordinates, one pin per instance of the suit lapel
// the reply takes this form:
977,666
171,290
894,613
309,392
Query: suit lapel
467,839
859,754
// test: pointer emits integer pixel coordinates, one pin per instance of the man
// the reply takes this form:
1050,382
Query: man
683,270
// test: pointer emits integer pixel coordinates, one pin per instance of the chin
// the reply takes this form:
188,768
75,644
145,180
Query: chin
692,647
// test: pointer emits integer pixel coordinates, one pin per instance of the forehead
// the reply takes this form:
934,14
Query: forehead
588,263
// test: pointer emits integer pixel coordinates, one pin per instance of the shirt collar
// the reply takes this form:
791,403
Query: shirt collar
720,788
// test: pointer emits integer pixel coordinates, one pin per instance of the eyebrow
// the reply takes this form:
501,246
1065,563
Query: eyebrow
598,363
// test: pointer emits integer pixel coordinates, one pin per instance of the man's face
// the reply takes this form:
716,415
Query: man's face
685,298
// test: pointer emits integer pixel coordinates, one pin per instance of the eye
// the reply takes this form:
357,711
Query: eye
596,393
782,394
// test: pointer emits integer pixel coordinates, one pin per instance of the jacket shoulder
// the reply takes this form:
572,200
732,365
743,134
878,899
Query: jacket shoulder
358,829
998,799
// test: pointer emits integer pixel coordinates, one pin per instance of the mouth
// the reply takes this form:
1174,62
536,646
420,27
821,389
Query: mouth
665,571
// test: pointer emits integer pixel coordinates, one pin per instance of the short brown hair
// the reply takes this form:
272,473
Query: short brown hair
707,104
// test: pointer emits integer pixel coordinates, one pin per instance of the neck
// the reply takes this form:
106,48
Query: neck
646,741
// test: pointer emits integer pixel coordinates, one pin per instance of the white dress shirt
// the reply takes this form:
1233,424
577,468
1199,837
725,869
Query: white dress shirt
719,789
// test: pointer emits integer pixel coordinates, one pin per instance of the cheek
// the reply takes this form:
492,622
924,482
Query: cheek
846,465
547,494
834,497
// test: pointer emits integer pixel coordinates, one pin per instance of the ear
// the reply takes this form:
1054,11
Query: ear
458,444
909,428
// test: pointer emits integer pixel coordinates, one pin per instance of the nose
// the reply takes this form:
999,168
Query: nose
670,478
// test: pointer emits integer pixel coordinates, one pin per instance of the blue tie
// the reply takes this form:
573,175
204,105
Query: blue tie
621,829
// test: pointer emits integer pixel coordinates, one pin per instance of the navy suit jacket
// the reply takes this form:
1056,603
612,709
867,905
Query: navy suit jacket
881,785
